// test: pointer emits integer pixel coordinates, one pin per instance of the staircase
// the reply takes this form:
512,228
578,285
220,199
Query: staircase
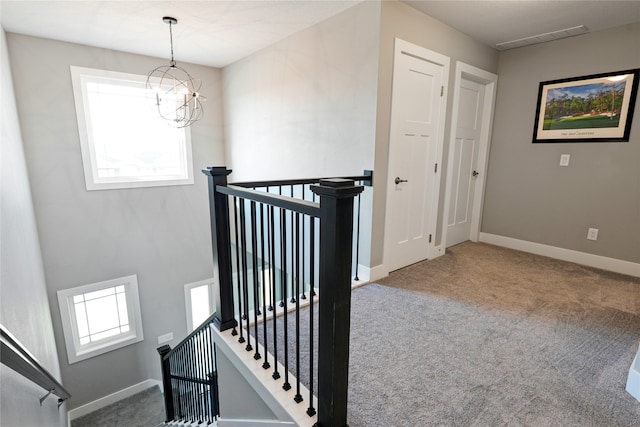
276,245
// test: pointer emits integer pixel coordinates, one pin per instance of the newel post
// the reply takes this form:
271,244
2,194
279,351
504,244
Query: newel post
336,234
166,383
221,245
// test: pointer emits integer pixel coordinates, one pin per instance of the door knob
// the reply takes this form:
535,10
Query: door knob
398,180
475,173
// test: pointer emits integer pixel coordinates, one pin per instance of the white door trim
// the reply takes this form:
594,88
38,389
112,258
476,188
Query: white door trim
490,81
402,47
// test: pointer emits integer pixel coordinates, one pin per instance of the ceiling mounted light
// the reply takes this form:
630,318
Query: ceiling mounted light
174,92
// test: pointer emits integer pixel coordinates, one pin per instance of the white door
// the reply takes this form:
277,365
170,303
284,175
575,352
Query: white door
473,104
464,163
417,115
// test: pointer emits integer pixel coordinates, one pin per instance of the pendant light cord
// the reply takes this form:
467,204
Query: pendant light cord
173,62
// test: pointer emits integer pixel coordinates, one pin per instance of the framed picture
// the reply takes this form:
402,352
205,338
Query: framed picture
596,108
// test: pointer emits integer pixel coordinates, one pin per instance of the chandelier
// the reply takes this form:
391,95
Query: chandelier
173,91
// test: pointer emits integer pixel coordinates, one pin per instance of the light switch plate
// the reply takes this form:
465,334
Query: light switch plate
564,159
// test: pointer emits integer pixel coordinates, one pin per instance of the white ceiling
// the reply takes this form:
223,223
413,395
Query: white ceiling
219,32
493,22
214,32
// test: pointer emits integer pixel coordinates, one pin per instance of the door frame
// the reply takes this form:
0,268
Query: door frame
490,82
402,47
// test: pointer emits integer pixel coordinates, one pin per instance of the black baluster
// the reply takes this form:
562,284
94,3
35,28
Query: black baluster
282,294
311,410
293,294
245,289
266,364
192,374
187,385
203,375
275,374
303,257
298,396
238,275
214,384
199,360
254,262
271,264
357,239
283,255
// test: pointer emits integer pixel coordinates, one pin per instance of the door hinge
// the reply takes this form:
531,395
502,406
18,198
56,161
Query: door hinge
430,238
441,90
436,169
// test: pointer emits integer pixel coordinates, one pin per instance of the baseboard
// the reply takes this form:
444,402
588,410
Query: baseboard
590,260
364,274
373,273
111,398
248,423
633,381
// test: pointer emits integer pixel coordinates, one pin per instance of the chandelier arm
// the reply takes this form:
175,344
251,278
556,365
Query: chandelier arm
173,92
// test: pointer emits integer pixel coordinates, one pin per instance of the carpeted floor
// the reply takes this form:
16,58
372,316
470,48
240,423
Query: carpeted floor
144,409
482,336
487,336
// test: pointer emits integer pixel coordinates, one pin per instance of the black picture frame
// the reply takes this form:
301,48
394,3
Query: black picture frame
593,108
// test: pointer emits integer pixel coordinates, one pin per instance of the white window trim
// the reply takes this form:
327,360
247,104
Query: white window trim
92,181
188,304
77,352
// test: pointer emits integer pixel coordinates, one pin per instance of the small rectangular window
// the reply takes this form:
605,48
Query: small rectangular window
100,317
124,142
199,301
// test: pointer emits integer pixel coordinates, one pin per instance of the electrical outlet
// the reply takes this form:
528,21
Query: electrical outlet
592,234
564,159
165,338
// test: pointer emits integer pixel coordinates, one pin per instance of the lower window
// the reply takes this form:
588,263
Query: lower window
100,317
199,302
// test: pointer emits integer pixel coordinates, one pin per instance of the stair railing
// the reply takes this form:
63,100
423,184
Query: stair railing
282,249
16,356
189,377
301,189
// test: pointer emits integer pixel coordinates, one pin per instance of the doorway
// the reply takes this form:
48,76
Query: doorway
473,104
418,107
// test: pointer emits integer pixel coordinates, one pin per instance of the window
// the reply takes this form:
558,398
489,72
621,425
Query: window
100,317
124,142
199,301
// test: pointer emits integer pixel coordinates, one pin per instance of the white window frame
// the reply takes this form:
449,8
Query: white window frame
189,304
76,351
80,76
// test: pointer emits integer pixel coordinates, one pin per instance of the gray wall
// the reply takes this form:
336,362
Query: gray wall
528,195
161,234
25,308
306,106
402,21
238,399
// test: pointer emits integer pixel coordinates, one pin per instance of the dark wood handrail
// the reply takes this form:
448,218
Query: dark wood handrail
366,179
15,355
276,200
205,324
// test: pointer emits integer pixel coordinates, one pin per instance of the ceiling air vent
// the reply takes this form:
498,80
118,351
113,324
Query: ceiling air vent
541,38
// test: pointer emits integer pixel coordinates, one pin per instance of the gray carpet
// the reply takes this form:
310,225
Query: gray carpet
486,336
144,409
